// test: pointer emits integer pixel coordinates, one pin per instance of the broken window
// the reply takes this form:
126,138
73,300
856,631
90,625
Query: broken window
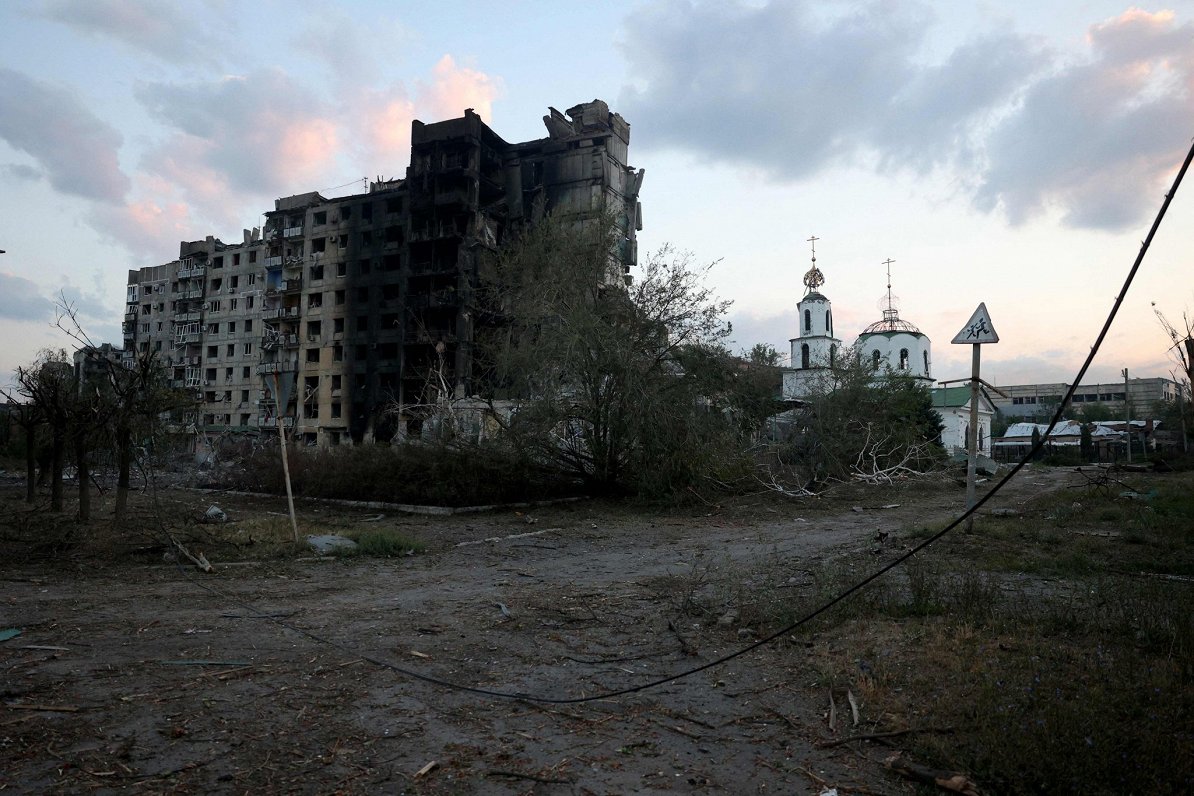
319,245
320,218
314,329
313,355
903,359
339,296
337,325
231,349
926,354
875,356
315,300
808,320
341,269
804,357
248,327
316,272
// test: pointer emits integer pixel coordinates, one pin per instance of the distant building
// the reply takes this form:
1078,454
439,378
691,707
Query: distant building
361,306
1039,401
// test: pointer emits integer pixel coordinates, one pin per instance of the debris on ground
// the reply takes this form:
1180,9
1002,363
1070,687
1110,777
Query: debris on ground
215,514
326,544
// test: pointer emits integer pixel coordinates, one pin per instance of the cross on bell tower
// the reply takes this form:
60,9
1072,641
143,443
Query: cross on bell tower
813,278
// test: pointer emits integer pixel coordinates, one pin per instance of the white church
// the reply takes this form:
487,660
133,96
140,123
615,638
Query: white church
892,345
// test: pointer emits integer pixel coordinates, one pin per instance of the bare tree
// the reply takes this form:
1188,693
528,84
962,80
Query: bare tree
49,384
131,395
1182,339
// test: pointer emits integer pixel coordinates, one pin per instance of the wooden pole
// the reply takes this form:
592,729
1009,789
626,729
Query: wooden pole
285,458
972,435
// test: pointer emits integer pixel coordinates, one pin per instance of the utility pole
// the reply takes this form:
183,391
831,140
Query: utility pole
1127,416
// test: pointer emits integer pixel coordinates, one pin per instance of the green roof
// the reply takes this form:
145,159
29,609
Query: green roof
946,397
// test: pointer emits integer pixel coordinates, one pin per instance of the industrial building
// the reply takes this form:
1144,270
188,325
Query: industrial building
360,307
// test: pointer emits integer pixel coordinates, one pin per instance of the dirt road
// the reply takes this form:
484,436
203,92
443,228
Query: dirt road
133,677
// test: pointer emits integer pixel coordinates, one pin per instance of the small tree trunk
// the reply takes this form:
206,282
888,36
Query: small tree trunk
30,463
57,460
124,458
84,477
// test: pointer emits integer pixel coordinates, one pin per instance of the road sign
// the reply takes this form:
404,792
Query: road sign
978,329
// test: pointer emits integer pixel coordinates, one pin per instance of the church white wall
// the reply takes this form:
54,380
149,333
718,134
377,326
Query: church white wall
803,383
889,345
956,420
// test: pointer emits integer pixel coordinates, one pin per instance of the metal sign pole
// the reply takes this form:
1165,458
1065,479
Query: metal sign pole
977,331
972,437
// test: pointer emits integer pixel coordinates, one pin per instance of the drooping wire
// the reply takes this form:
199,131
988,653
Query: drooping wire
812,614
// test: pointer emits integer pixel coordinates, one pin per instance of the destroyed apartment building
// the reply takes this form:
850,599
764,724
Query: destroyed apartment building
351,302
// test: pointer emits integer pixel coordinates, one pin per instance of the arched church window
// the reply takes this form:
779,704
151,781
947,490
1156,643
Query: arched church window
875,356
828,323
926,353
832,356
808,320
980,436
903,359
804,355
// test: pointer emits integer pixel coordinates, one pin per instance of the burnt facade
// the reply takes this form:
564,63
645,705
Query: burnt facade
360,308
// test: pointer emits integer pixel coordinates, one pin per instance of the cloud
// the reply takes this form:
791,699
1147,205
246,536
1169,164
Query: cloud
21,300
805,96
260,133
1021,130
74,147
1098,139
21,171
161,29
453,88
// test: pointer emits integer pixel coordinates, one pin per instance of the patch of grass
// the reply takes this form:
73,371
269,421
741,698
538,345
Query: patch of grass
382,543
1088,690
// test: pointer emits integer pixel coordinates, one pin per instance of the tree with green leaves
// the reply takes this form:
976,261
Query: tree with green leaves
862,424
624,383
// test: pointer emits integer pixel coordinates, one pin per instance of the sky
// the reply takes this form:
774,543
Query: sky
1008,152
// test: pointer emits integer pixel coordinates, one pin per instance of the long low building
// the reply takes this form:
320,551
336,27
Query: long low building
1033,401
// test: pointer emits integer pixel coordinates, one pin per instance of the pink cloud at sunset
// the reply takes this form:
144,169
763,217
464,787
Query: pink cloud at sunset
454,88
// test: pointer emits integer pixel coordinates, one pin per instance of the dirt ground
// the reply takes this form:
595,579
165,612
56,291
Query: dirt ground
134,675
